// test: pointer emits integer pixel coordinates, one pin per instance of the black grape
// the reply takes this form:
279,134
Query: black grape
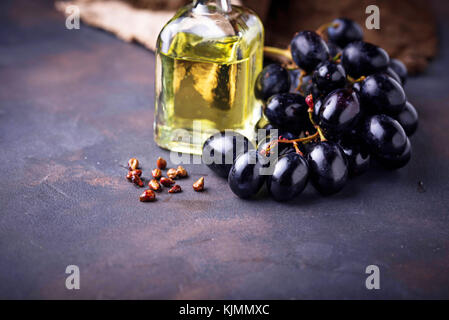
382,94
345,32
329,76
308,49
340,111
289,177
245,178
400,69
328,167
287,111
408,118
273,79
390,72
221,149
396,161
362,59
384,135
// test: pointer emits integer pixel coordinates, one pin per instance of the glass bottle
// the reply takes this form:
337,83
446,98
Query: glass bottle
207,59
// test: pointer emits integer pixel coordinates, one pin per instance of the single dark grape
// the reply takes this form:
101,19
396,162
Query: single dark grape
221,149
328,167
273,79
287,111
345,32
245,178
382,94
363,59
357,155
396,161
308,50
408,118
400,69
289,177
340,111
329,76
390,72
384,135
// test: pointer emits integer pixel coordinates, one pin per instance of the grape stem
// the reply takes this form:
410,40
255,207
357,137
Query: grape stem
311,118
301,80
320,132
352,80
269,147
278,52
321,29
302,140
309,101
317,127
295,145
337,57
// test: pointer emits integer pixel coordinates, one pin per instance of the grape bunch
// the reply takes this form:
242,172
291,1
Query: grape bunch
338,106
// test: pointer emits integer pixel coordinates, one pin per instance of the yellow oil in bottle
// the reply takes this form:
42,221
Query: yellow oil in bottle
205,85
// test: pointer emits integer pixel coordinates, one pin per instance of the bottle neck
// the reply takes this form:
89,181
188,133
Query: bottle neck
221,5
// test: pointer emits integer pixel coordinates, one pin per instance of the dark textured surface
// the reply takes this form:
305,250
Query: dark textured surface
75,105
